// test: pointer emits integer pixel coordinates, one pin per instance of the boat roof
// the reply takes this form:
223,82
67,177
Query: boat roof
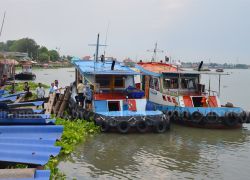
100,68
158,68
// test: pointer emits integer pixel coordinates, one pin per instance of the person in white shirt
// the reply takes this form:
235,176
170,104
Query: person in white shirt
57,90
81,93
40,92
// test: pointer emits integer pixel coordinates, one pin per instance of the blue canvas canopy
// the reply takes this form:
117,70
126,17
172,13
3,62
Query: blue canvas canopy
95,68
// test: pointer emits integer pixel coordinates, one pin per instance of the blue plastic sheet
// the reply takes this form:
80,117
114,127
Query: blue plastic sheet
29,144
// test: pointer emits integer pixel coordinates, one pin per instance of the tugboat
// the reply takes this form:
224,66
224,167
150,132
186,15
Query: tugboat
180,95
26,73
116,104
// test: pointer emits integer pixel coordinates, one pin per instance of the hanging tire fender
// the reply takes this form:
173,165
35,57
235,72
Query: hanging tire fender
141,126
231,119
160,127
212,117
197,116
186,116
123,127
104,126
243,117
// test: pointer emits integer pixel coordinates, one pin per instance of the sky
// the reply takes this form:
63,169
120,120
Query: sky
187,30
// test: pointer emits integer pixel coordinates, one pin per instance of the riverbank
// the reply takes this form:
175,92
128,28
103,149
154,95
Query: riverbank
75,132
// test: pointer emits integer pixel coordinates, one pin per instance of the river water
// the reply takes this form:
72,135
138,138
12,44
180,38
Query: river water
181,153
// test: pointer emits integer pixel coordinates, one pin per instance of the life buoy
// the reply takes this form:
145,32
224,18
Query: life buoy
185,116
212,117
104,127
231,119
123,127
197,116
243,117
141,126
161,126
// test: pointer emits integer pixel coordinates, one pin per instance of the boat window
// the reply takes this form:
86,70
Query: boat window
170,83
154,84
114,105
151,83
119,82
188,83
104,81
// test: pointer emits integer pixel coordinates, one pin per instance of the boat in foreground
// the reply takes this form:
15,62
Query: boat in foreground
180,94
116,105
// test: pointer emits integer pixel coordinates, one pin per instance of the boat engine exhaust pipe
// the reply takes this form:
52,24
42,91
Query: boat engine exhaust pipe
200,66
113,65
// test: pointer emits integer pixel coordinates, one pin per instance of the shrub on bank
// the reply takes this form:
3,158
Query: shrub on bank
74,132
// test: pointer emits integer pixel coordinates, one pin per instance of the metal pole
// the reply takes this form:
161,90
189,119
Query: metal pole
2,24
219,84
97,48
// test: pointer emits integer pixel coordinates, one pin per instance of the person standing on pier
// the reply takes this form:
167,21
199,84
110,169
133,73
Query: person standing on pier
57,90
80,92
40,92
52,88
89,96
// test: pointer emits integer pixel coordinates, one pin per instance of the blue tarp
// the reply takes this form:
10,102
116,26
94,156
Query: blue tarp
26,121
29,144
34,103
92,67
38,175
7,99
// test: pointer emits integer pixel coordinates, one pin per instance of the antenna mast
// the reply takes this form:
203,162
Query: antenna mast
155,51
106,39
2,23
97,47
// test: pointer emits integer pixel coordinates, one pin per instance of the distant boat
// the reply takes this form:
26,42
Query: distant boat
219,70
26,73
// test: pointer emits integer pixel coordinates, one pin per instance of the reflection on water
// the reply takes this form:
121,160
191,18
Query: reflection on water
182,153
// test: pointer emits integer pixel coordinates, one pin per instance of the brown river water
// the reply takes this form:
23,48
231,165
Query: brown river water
181,153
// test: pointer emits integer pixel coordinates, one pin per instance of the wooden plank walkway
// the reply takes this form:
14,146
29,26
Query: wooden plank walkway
49,105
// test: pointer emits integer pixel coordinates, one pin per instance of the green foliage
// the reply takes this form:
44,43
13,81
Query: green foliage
74,132
54,55
25,45
29,46
43,50
20,86
43,57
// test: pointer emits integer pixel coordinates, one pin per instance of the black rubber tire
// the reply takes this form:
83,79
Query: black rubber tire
169,114
243,117
248,117
123,127
212,117
161,127
104,126
231,119
186,116
197,116
141,126
176,116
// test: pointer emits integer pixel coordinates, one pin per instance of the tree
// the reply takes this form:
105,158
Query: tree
54,55
43,57
25,45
